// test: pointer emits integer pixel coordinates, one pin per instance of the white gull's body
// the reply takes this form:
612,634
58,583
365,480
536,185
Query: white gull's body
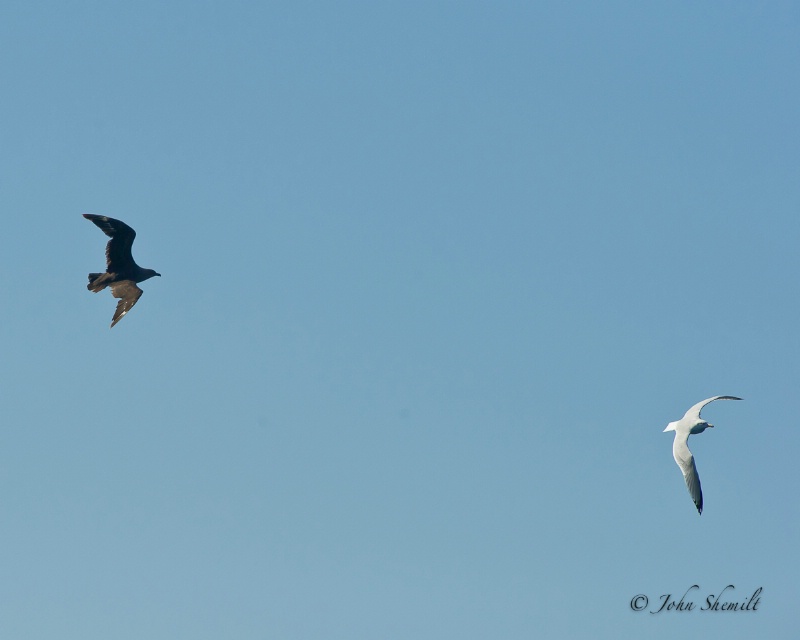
690,424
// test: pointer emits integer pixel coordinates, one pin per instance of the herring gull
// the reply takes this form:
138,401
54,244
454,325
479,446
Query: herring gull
690,424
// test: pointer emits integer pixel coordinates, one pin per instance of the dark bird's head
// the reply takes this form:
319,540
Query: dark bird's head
149,273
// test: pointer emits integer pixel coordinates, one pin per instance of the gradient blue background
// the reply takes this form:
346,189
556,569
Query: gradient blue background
436,275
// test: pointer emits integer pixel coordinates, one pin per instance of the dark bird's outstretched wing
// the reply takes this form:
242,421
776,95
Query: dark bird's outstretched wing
128,294
118,249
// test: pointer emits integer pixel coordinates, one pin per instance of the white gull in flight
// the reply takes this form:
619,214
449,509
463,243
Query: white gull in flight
690,424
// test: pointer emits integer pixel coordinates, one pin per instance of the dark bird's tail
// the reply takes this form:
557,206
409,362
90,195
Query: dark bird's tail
98,281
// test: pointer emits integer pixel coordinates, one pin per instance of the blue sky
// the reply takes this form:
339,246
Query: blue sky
435,278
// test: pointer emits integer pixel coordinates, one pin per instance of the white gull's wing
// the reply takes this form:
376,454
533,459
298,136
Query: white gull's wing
685,460
694,412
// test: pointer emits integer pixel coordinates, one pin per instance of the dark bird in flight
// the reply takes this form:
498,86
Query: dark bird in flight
122,273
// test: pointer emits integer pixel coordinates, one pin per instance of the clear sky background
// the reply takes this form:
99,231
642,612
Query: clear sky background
436,275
